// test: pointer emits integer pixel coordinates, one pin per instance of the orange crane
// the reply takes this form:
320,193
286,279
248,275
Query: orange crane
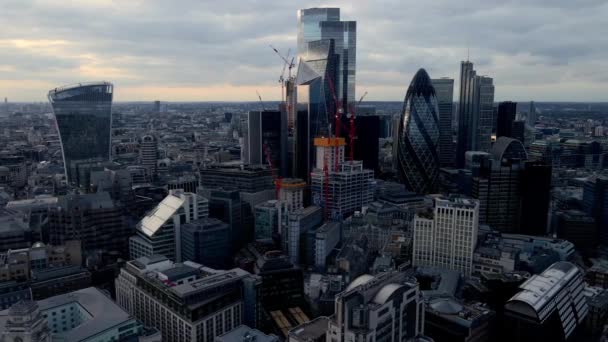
353,130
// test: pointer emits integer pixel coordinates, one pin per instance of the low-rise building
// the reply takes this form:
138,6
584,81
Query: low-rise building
84,315
187,302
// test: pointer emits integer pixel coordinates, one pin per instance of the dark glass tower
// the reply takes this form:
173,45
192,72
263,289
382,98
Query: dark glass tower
505,119
417,157
324,23
475,112
535,198
84,120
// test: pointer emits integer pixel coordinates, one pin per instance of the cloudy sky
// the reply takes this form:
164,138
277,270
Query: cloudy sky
202,50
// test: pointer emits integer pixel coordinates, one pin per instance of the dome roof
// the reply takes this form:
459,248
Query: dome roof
510,148
385,293
421,85
360,280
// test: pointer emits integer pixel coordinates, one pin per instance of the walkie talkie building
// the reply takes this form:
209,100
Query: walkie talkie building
417,157
83,113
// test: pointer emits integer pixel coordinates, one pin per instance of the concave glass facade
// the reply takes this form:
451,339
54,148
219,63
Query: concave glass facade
84,120
417,157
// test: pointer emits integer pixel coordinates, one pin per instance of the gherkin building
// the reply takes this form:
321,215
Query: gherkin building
417,143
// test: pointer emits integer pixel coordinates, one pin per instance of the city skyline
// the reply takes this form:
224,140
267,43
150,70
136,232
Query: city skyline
155,51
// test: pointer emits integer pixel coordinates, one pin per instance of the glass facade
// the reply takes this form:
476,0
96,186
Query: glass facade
475,112
445,98
84,120
417,157
324,24
315,107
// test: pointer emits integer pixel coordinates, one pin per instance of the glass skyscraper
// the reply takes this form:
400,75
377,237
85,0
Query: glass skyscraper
417,157
83,113
315,107
324,23
475,112
444,87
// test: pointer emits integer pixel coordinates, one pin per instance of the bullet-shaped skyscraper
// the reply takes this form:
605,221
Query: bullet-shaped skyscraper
84,120
444,88
417,141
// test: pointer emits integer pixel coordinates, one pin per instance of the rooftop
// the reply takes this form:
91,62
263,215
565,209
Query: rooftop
104,313
156,218
243,333
310,331
540,289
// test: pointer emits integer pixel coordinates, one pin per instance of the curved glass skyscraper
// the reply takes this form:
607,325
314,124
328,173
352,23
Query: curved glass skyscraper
84,120
416,155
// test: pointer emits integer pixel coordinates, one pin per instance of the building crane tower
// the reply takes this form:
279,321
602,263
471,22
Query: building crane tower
277,185
287,85
353,130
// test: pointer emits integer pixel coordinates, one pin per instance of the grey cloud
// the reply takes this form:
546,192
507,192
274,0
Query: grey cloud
201,43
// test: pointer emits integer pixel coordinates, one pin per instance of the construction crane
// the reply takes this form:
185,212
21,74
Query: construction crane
286,84
277,185
261,102
276,178
288,63
353,130
337,118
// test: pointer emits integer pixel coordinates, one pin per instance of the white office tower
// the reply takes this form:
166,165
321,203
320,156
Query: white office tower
160,230
148,154
385,307
187,302
345,186
446,237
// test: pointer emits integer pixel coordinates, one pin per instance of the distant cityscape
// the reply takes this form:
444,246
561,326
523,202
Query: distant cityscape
445,216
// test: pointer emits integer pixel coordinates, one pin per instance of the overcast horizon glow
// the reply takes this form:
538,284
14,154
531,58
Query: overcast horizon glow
193,50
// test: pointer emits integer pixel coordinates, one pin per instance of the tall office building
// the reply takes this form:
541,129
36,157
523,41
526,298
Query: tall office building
535,198
595,203
94,219
299,223
549,307
246,179
497,186
206,241
475,112
447,238
444,90
367,142
159,232
385,307
292,193
344,190
324,24
532,115
84,120
267,129
417,155
148,154
505,118
315,106
187,302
